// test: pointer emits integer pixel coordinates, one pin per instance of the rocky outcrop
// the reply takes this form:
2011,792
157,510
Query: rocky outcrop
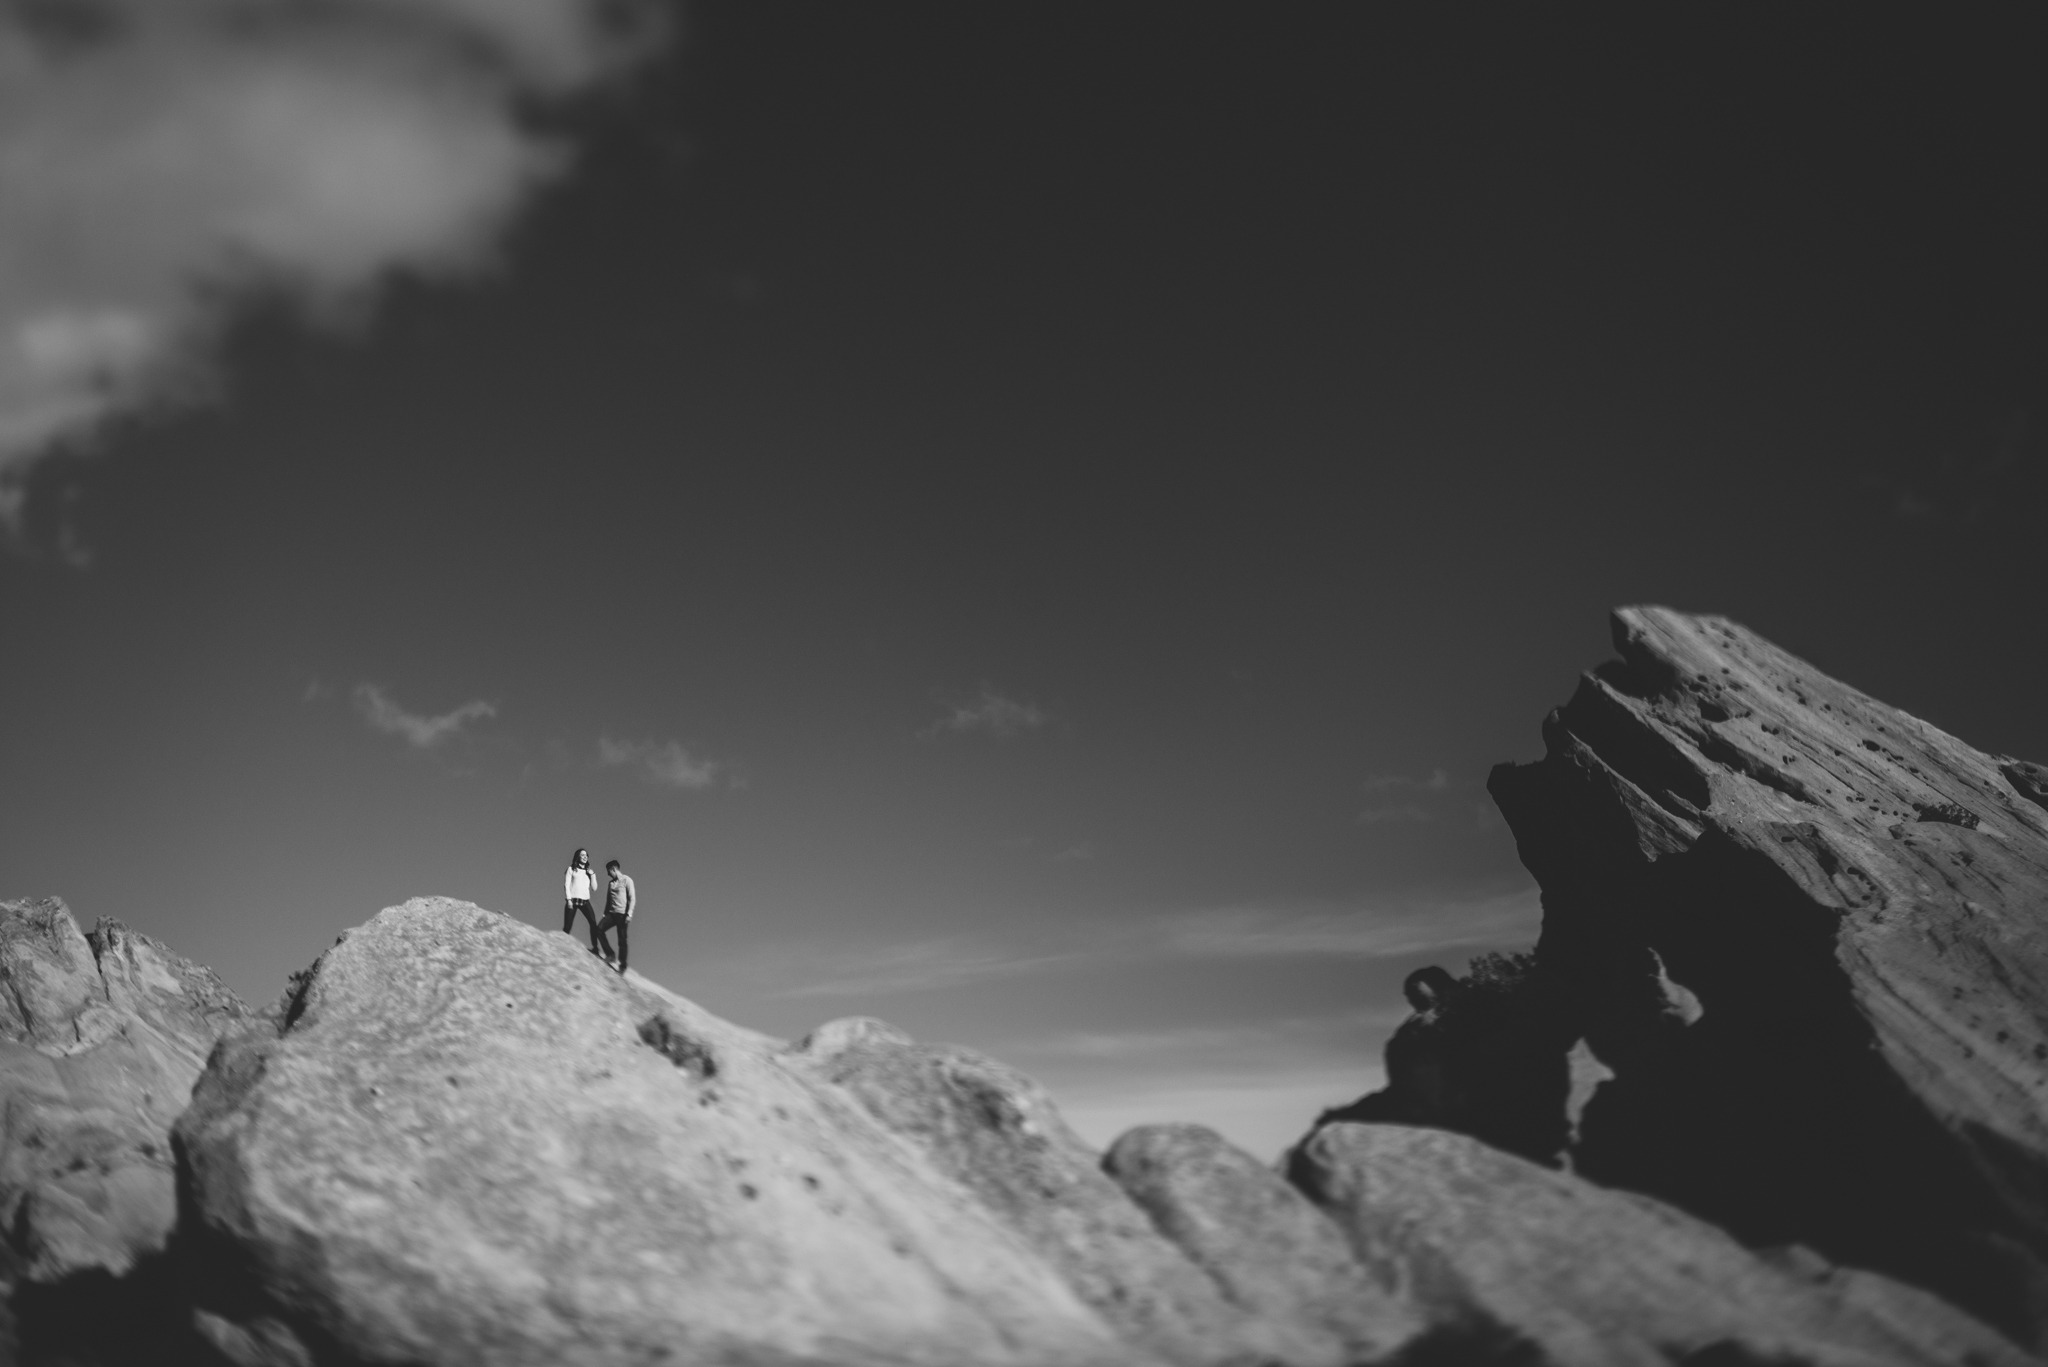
1807,936
1486,1055
1573,1274
1271,1251
460,1139
101,1038
457,1139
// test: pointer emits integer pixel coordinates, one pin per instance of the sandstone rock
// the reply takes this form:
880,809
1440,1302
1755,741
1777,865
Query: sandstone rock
2028,779
1851,901
460,1139
1586,1277
995,1133
101,1039
1490,1059
1278,1258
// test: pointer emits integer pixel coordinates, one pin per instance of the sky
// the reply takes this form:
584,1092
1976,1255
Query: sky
1029,523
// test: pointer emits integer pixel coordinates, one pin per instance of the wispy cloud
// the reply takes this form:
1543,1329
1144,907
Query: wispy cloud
387,716
994,712
1260,1079
167,161
1401,929
1262,1111
1224,1046
1980,478
666,764
1371,932
1258,1083
1438,781
1399,811
921,966
1388,786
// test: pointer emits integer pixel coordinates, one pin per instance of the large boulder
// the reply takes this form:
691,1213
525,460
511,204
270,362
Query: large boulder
1276,1256
459,1139
101,1038
1579,1276
1807,934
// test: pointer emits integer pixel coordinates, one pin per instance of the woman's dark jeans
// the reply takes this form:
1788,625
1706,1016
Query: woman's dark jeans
569,910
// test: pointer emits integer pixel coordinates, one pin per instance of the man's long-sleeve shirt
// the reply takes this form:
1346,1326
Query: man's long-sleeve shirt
621,897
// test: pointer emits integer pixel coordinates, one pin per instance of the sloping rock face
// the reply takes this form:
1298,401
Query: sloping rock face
1578,1275
1167,1241
101,1039
460,1139
1808,934
1275,1255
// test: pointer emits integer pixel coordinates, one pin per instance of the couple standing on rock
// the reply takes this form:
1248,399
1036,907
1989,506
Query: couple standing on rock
620,900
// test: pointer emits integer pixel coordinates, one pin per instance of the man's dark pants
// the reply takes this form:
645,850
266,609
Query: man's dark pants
612,918
569,910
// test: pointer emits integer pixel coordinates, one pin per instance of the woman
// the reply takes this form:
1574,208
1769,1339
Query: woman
577,885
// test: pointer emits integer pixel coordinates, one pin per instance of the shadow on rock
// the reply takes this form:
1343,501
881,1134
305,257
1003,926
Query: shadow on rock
1485,1055
94,1319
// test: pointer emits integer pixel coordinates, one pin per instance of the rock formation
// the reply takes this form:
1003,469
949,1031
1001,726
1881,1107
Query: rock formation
1785,1025
1805,937
1485,1055
101,1039
459,1139
1583,1275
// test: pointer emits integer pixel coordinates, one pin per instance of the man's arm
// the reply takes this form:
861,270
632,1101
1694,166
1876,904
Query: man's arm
632,896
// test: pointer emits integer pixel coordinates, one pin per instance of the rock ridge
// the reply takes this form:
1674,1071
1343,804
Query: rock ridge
459,1139
1769,1090
1792,975
102,1035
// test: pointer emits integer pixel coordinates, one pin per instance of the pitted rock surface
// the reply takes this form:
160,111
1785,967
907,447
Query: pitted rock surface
995,1132
101,1039
1581,1276
1276,1256
461,1139
1856,904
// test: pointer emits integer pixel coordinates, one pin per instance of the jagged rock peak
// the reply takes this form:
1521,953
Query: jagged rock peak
1744,724
1849,900
101,1038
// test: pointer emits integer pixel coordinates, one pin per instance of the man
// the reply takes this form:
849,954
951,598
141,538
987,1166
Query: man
620,898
